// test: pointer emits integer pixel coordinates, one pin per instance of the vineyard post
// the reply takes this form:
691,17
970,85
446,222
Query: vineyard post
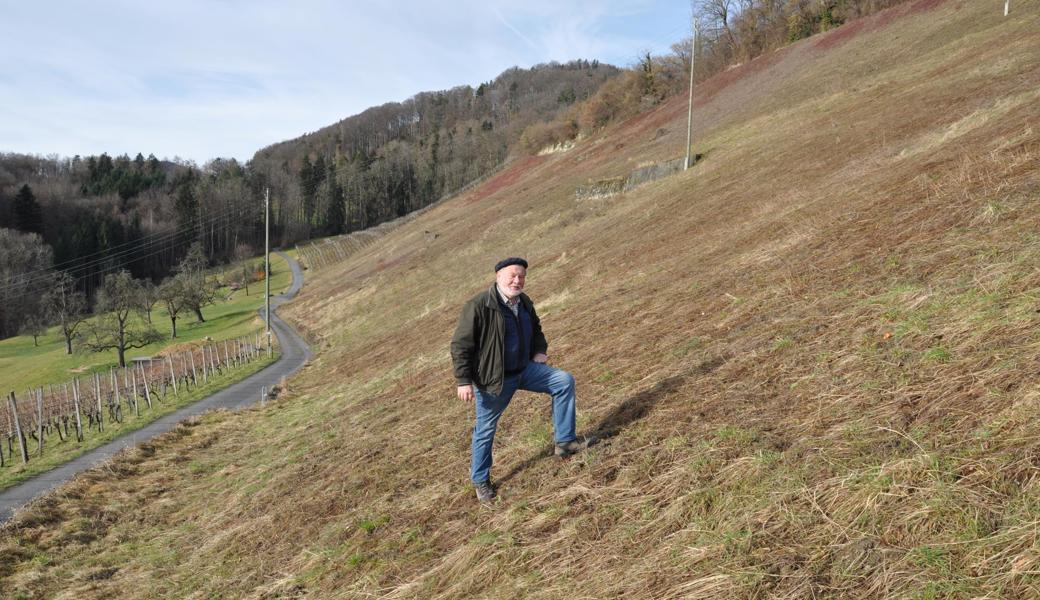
100,409
115,385
75,402
131,396
39,420
173,374
18,428
227,358
205,367
137,396
68,409
194,373
147,390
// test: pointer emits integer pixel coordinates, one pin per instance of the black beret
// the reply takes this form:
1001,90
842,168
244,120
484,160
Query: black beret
510,261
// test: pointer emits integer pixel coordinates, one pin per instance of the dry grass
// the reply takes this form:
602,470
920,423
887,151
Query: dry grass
811,359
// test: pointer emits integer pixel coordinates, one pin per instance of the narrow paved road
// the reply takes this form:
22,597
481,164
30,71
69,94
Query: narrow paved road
295,353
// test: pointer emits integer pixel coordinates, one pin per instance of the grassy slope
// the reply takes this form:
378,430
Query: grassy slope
810,357
23,365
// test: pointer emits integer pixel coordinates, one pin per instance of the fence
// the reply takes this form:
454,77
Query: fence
605,188
85,403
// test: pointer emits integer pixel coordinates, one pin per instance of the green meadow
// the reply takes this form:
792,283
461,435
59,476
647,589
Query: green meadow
24,365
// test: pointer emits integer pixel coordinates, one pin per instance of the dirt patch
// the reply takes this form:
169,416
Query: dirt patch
506,178
925,5
842,34
851,29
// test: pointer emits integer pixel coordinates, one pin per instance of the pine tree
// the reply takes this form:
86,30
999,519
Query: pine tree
27,214
335,214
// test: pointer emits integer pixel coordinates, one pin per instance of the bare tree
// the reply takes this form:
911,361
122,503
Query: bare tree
718,13
66,306
34,324
196,290
171,294
119,300
149,298
24,260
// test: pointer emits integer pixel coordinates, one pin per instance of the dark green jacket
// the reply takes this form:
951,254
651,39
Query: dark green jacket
477,347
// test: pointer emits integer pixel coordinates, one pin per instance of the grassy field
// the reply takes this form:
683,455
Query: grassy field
811,360
23,365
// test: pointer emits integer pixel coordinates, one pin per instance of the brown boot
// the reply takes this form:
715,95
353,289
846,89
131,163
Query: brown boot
565,449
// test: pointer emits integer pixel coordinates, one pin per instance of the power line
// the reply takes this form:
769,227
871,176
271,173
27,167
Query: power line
78,258
42,274
128,257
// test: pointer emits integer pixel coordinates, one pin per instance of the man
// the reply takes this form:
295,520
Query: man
498,348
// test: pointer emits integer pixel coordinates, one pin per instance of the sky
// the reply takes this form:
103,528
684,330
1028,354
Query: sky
198,80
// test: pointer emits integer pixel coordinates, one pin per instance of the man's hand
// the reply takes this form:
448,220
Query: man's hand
540,358
465,393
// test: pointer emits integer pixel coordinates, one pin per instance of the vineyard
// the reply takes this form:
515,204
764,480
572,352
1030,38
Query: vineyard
72,409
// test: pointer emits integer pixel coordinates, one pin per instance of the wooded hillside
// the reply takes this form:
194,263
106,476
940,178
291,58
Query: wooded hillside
395,158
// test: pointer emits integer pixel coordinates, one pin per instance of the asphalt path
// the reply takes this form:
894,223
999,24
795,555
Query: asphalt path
295,353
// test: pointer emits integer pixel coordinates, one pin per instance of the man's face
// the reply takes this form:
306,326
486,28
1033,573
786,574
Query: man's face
511,280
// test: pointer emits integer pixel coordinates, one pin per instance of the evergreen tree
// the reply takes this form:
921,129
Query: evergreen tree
185,203
336,214
27,214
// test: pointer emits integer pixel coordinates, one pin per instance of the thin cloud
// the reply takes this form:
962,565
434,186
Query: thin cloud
206,79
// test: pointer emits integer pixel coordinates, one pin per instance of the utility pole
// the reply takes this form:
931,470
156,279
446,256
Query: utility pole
267,262
689,118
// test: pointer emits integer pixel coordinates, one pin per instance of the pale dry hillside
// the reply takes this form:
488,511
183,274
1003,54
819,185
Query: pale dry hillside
813,359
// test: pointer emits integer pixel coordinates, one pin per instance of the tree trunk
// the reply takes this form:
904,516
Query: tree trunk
173,323
198,313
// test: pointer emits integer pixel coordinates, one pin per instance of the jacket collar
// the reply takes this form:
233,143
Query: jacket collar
491,298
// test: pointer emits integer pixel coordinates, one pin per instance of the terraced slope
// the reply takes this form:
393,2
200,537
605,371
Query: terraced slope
812,359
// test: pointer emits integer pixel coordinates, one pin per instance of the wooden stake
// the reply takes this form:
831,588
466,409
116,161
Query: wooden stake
100,409
173,374
115,385
39,420
137,397
147,391
75,401
18,428
194,374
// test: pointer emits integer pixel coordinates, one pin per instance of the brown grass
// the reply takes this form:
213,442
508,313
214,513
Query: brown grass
811,360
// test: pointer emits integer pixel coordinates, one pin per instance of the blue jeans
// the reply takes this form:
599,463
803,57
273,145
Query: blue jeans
536,377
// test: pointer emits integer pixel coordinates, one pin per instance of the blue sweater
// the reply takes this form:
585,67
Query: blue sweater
517,345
